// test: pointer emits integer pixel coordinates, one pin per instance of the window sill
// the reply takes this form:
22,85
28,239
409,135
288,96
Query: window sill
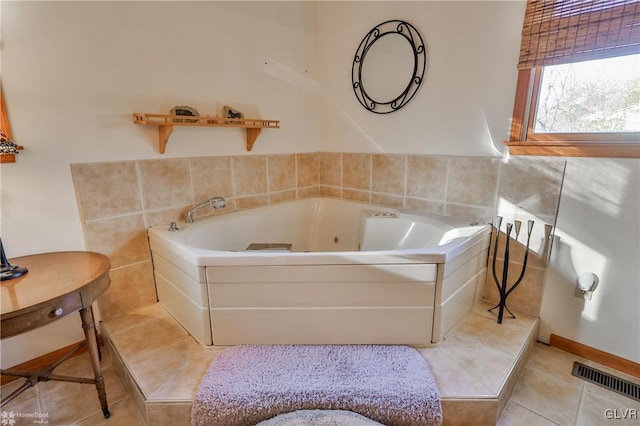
575,149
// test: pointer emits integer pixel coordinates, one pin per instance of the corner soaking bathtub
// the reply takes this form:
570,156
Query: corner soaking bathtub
320,271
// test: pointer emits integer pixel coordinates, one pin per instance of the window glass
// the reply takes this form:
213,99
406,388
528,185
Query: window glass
599,96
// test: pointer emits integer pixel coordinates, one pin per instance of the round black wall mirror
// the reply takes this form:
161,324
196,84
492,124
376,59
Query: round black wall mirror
388,66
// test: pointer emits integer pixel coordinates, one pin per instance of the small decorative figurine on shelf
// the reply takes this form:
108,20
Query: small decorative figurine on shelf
502,286
8,149
228,112
187,111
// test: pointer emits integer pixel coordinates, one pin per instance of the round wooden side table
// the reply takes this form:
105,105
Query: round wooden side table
57,284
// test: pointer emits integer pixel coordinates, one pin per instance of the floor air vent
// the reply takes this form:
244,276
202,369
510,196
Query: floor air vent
607,381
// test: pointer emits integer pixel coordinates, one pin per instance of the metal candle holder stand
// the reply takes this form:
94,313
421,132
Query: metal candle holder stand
502,286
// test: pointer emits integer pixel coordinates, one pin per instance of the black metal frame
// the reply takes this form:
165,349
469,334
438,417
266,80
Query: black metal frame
411,34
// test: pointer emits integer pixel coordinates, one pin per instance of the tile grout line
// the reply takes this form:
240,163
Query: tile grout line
532,411
579,407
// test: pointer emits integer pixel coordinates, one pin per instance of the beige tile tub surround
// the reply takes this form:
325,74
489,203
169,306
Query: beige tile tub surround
106,189
388,173
330,169
165,183
151,187
249,175
123,238
282,172
210,176
117,201
131,287
387,200
532,185
472,181
427,177
356,171
307,170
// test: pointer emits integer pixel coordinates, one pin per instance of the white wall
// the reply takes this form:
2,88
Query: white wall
464,105
599,229
464,109
73,73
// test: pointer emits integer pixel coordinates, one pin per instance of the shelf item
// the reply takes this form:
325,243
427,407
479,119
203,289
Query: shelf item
166,123
8,148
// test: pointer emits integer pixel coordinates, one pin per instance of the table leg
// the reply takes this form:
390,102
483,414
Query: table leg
90,336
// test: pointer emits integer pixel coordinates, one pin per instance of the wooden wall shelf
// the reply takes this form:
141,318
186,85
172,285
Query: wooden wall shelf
166,124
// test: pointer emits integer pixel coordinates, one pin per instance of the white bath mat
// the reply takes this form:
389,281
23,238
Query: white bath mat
319,418
247,384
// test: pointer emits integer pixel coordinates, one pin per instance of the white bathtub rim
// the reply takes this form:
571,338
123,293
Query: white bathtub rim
164,243
457,239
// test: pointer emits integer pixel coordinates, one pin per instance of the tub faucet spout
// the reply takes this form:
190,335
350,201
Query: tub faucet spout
215,202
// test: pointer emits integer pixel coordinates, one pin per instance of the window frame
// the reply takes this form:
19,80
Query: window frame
523,141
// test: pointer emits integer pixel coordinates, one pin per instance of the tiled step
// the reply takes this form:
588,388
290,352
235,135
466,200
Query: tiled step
476,366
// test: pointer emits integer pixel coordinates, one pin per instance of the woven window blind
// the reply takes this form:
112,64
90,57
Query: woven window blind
563,31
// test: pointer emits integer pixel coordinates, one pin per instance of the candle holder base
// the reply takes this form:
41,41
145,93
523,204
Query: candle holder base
505,307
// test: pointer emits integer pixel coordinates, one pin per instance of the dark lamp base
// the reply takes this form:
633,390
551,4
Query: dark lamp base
9,272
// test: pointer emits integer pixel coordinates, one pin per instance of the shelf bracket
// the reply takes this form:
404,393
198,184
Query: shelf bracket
252,135
164,131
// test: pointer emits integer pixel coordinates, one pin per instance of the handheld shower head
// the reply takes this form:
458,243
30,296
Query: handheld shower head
215,202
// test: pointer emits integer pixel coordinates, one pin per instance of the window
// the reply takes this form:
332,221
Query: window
600,96
578,90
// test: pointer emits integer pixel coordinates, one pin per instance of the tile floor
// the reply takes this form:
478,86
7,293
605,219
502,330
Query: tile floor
547,394
72,403
469,369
